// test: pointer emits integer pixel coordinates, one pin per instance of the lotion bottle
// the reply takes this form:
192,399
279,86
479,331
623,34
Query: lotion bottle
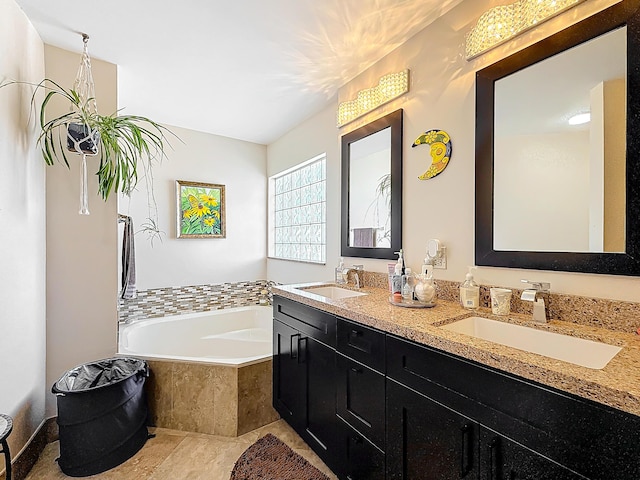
469,292
396,280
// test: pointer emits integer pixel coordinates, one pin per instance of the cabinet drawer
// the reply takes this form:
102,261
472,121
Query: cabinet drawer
308,320
361,343
361,459
361,398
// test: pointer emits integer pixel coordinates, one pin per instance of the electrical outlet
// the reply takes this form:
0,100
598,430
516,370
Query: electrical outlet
440,261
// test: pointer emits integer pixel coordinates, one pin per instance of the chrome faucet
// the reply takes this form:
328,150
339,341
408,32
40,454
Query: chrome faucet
355,269
537,295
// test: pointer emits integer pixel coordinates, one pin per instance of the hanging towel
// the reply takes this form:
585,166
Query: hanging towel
128,260
364,237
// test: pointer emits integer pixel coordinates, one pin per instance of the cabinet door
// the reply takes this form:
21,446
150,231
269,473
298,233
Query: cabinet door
504,459
289,375
426,440
321,421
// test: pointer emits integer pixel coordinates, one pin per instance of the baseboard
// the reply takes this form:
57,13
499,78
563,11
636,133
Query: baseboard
23,461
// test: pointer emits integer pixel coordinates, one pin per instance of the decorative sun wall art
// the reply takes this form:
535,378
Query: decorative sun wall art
200,208
440,143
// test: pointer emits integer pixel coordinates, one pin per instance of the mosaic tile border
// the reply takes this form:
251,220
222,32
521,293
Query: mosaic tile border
160,302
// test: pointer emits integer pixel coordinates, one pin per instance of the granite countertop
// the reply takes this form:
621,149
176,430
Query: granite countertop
616,385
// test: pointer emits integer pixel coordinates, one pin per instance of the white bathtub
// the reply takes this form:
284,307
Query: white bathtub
232,336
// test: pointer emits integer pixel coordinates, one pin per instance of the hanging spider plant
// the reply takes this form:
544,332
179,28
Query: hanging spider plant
126,146
123,142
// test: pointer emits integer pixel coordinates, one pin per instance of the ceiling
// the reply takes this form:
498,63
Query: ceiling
249,69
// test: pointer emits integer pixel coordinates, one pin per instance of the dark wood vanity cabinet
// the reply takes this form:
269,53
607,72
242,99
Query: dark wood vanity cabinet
376,406
304,376
335,403
525,430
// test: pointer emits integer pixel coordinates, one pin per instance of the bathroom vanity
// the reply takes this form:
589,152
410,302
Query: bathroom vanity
382,392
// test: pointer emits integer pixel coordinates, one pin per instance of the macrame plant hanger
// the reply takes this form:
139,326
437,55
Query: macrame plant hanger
81,138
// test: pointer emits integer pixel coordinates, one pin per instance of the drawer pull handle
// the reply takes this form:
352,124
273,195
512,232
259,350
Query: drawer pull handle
466,461
357,439
493,459
356,370
302,358
295,346
356,333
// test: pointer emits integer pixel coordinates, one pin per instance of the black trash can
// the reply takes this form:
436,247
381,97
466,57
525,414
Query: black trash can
102,414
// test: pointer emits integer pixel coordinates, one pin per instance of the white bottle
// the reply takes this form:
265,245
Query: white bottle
339,275
396,279
408,284
469,292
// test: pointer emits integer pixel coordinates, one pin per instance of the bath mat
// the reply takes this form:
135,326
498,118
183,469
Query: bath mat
271,459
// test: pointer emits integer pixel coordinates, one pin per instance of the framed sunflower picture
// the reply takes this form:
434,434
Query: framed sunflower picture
200,208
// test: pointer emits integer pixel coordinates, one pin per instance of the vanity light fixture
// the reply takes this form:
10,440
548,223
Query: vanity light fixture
580,118
502,23
389,87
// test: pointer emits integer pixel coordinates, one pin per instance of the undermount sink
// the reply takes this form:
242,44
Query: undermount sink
578,351
333,293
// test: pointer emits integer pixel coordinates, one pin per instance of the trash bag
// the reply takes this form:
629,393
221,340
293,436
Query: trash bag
102,414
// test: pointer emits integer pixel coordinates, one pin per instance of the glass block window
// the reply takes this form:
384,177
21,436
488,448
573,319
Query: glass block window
298,212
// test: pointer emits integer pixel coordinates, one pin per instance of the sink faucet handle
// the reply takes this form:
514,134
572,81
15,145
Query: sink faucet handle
538,286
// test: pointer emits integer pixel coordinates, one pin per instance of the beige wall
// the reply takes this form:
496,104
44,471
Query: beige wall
22,243
81,250
311,138
201,157
442,96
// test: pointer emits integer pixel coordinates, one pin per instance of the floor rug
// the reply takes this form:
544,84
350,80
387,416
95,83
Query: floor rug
271,459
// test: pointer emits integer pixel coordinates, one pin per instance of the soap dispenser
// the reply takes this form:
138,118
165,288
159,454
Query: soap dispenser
339,275
470,292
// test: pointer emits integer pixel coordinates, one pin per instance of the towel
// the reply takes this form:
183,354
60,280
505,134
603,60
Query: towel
364,237
128,260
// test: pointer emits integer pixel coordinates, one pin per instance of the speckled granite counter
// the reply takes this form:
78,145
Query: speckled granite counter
616,385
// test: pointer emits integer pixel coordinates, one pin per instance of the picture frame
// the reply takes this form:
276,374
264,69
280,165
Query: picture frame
200,209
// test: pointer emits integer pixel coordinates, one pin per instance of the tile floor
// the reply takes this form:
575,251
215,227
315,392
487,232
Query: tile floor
173,454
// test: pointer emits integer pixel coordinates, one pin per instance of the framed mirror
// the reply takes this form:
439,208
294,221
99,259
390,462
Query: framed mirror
555,196
372,189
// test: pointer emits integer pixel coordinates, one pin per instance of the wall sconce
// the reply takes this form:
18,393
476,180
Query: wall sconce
502,23
389,87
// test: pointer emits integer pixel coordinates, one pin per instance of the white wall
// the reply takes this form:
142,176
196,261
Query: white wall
442,96
22,243
541,192
309,139
81,250
202,157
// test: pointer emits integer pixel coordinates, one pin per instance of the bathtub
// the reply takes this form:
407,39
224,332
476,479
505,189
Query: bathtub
210,371
233,336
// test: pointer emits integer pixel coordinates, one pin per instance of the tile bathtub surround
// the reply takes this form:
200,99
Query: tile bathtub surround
211,399
593,312
159,302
